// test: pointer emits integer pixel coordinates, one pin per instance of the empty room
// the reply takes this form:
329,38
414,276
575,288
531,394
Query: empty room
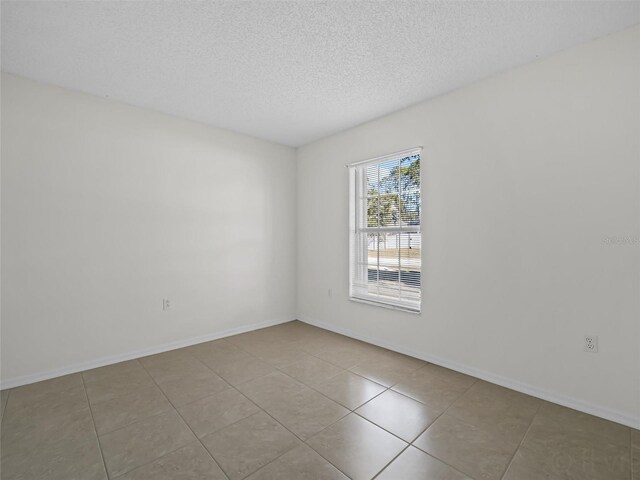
320,240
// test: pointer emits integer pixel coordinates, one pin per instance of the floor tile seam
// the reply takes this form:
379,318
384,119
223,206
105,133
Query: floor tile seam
236,421
459,396
423,403
475,380
271,461
104,434
341,418
95,428
262,410
180,375
342,368
426,364
227,426
432,423
130,390
162,385
186,424
213,371
389,431
312,387
136,389
480,425
4,411
348,408
407,444
390,462
318,358
415,369
326,459
329,361
153,461
403,395
457,469
305,383
191,402
279,369
276,420
631,470
135,422
522,440
248,352
441,461
227,363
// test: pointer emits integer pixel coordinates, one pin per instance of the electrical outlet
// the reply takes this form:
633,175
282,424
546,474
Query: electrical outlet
591,343
165,304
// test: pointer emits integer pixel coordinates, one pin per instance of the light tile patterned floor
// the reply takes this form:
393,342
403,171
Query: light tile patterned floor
297,402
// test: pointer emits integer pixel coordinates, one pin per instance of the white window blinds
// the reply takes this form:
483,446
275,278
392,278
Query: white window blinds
385,236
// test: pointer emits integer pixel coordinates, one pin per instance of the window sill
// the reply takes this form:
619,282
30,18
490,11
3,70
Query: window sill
385,305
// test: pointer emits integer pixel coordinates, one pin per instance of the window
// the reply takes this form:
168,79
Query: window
385,239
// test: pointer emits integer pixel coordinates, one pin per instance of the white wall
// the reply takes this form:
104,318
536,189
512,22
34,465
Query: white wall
107,209
524,174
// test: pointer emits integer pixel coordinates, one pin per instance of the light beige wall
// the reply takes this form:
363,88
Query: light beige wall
524,175
107,209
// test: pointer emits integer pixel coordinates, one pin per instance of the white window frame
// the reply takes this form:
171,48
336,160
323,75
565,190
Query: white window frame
358,249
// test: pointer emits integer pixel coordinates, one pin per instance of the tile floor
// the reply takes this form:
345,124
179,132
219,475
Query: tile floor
297,402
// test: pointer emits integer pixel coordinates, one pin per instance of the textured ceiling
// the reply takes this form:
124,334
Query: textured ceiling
290,72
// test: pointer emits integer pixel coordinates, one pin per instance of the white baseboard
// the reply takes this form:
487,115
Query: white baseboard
104,361
580,405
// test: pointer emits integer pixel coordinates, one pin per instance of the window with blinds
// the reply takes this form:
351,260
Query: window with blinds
385,236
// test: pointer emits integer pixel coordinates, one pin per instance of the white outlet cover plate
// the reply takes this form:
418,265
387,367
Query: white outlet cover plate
591,343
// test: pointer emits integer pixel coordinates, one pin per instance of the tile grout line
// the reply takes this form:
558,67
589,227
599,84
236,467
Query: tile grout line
95,428
151,461
117,397
6,404
631,472
231,386
304,442
183,421
412,443
476,380
409,444
533,417
282,454
351,411
391,461
283,426
344,370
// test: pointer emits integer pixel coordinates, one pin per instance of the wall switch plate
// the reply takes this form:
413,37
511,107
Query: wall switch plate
165,304
591,343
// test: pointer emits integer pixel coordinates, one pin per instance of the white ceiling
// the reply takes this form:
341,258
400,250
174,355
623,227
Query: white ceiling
290,72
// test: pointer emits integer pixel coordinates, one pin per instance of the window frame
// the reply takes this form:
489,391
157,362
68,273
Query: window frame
359,228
